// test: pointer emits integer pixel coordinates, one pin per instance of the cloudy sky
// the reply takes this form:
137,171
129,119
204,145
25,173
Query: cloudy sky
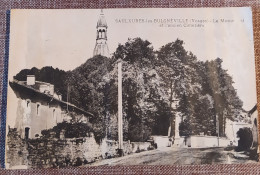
66,38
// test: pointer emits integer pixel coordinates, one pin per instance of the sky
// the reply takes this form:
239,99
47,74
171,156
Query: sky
65,39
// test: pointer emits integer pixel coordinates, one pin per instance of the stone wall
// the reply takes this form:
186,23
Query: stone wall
208,141
141,146
50,152
53,152
161,141
109,148
16,150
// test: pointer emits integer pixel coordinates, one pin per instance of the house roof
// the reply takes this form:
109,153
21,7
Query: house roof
22,87
35,86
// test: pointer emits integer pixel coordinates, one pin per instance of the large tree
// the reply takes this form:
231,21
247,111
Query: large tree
157,85
144,98
220,86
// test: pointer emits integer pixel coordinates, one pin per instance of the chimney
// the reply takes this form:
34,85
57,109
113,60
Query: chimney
30,80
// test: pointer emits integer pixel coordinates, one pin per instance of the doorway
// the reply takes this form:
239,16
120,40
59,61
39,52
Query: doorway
26,136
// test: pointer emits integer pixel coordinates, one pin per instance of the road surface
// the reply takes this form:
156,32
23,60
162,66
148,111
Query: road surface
176,156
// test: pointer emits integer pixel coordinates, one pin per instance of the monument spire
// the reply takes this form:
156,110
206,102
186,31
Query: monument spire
101,47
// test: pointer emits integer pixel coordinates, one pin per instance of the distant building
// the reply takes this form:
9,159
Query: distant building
101,47
254,118
40,108
232,127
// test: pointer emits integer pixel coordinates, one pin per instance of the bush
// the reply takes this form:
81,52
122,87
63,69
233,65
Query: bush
245,139
71,130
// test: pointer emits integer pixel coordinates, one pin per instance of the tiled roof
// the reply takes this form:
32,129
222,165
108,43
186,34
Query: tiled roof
21,85
35,86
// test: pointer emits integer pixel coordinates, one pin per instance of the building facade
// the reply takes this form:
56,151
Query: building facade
254,120
40,108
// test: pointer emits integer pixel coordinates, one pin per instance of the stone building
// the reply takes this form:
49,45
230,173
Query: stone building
254,120
40,108
233,126
101,47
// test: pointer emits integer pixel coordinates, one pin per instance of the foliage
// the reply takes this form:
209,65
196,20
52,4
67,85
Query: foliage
157,86
88,91
71,130
226,102
202,89
245,139
48,74
145,100
135,51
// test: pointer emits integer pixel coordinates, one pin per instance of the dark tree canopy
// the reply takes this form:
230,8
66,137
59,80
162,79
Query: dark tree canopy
157,86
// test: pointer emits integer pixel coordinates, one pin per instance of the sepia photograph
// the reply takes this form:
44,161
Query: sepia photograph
93,87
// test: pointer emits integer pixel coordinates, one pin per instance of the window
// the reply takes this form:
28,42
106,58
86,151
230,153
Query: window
28,102
38,109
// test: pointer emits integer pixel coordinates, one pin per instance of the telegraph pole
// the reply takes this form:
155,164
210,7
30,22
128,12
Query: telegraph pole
217,120
120,110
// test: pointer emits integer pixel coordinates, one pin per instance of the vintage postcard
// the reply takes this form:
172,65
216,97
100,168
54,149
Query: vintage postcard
131,87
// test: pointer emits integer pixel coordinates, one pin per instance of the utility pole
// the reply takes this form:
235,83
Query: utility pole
68,88
217,128
120,110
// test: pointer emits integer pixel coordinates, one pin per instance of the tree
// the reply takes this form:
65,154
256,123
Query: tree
226,102
156,86
47,74
177,67
143,93
88,90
